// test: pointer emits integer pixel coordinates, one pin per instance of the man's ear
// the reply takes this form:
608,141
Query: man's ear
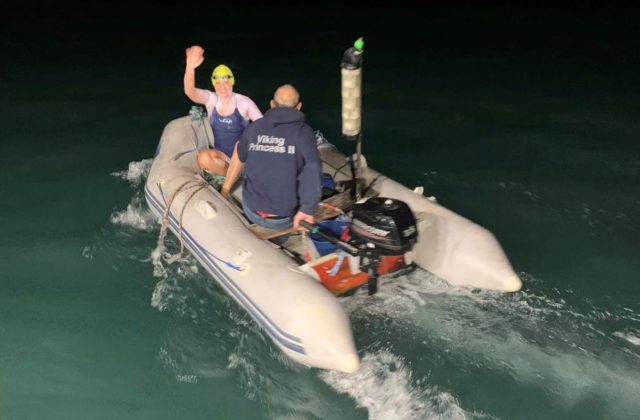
299,106
272,103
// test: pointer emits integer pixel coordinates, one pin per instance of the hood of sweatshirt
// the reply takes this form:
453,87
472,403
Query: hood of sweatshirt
279,115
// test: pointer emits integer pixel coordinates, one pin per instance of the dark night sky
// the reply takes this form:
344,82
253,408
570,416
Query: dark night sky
457,23
101,34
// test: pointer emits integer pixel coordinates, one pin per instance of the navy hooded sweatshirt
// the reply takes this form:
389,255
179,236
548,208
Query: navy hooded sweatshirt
283,170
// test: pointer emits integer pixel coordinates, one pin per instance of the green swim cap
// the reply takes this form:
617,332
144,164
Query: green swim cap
222,73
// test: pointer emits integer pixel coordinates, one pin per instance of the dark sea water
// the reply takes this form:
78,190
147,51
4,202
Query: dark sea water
526,122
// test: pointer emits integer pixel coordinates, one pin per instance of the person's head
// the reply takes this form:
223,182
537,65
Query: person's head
286,96
223,80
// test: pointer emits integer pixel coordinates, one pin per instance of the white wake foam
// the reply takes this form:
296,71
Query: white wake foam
137,214
539,341
136,173
383,385
631,338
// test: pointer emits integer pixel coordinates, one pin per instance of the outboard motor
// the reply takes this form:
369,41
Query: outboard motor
381,226
386,224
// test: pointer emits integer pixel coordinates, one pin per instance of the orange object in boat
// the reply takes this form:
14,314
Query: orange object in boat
344,279
391,263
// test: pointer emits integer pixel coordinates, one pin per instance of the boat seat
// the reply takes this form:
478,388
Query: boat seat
327,209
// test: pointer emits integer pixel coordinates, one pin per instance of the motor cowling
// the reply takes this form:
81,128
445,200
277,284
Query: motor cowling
385,224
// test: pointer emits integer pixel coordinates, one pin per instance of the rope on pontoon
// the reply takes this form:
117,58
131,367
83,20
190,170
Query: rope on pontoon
185,186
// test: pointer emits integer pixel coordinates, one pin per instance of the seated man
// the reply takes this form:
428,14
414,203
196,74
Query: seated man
282,179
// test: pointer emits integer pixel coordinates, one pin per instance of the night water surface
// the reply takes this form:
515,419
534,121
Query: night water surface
525,122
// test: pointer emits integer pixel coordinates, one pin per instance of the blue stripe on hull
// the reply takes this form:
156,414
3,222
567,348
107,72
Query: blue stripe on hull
278,335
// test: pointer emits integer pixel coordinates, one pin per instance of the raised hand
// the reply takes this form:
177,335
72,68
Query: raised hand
195,56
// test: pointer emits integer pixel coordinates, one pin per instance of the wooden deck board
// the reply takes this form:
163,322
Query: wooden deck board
327,209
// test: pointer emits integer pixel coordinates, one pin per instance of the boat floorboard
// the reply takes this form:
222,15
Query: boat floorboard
328,208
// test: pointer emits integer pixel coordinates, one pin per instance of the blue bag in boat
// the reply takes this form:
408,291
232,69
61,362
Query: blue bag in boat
335,227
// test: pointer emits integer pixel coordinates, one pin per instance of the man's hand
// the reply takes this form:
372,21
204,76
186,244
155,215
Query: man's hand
302,216
195,56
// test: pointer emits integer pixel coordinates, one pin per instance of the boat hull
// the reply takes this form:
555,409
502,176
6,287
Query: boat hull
302,317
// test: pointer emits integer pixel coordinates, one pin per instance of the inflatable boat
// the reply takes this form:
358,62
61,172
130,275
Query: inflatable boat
290,282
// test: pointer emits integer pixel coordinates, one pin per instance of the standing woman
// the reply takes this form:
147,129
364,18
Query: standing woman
229,112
